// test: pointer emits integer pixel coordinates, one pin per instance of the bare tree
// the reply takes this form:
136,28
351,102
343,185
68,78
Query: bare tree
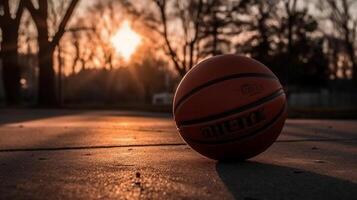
259,21
47,46
105,19
83,47
291,10
9,50
189,30
219,26
187,17
56,10
345,23
77,55
190,20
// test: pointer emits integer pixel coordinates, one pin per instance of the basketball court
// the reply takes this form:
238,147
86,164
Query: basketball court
138,155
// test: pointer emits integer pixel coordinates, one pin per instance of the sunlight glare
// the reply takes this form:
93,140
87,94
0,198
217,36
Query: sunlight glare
125,41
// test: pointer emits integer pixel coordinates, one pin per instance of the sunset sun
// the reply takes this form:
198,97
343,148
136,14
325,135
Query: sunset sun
125,41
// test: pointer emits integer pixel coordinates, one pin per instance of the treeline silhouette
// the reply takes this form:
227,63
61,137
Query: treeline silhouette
137,83
308,44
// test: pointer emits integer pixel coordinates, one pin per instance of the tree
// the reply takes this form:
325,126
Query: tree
302,46
91,36
189,30
218,26
9,50
47,46
189,14
284,37
179,25
255,17
341,14
82,42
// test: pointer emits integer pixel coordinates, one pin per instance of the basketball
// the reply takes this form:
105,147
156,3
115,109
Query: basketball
229,107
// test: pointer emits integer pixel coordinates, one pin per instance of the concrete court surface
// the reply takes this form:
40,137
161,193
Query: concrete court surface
63,154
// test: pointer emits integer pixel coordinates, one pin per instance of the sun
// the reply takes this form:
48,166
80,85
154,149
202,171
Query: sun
125,41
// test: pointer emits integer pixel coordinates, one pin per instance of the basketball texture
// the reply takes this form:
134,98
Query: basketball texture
229,107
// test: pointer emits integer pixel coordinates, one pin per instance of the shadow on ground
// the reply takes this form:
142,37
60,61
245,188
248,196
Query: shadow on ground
22,115
256,181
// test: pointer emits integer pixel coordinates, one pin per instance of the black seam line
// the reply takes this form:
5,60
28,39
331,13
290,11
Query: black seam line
232,111
251,134
90,147
214,81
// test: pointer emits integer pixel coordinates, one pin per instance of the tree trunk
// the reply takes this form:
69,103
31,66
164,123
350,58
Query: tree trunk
46,92
46,81
352,56
59,75
354,73
11,69
215,41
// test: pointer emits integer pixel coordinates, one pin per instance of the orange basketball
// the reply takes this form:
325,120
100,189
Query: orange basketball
229,107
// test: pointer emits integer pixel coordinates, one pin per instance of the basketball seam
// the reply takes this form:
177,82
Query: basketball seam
243,108
251,134
214,81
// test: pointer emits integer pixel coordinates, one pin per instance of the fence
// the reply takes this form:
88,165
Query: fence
323,99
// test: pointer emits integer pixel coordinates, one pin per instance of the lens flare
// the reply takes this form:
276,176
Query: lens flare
126,41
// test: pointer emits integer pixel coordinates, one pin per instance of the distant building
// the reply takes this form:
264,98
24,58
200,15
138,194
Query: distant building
162,98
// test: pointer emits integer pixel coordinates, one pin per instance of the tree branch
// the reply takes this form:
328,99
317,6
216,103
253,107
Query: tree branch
62,26
29,6
162,6
196,28
19,12
6,7
6,18
2,18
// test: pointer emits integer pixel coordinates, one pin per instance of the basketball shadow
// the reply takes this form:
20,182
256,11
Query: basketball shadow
255,181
